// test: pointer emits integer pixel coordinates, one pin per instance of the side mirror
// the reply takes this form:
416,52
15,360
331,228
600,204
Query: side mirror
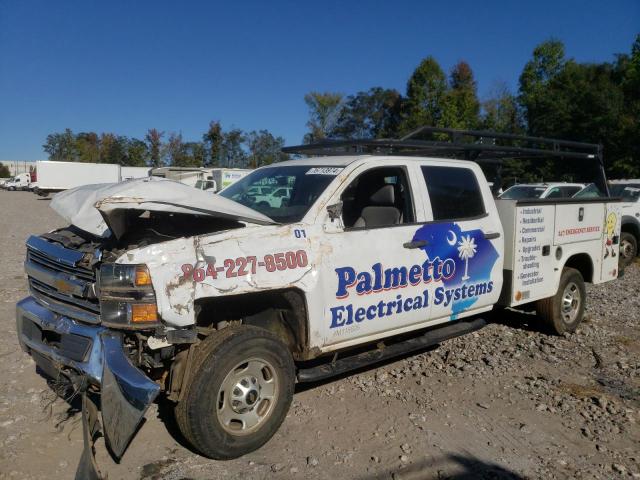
335,211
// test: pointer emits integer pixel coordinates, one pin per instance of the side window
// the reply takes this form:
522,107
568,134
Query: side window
570,191
377,198
555,192
454,192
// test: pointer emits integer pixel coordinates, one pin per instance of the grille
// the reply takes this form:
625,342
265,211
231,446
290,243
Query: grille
58,282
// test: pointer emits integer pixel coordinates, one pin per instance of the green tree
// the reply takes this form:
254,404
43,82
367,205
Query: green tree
195,154
627,73
547,63
233,155
213,139
4,171
61,146
425,91
137,154
500,111
264,148
87,146
174,151
113,149
460,105
324,111
371,114
154,145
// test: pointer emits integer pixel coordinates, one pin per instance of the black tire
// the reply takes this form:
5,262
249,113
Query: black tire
563,312
207,402
628,248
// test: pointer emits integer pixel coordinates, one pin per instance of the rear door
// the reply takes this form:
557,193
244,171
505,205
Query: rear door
464,235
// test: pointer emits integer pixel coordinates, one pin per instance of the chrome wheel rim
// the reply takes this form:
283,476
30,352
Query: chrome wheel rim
247,396
626,249
571,300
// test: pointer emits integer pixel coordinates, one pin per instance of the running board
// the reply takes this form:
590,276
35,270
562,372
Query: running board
353,362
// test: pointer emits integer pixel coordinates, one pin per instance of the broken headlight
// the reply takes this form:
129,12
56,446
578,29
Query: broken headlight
127,299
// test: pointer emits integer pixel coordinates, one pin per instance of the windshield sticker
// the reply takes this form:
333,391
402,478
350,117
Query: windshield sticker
324,171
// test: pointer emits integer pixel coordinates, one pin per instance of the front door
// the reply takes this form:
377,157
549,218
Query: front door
375,278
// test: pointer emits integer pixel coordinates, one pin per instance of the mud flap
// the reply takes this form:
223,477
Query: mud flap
125,396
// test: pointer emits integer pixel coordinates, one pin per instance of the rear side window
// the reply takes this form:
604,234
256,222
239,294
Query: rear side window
454,193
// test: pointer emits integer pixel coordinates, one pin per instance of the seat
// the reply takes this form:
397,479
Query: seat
381,209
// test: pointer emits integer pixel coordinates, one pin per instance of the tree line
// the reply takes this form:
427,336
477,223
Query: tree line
557,97
232,148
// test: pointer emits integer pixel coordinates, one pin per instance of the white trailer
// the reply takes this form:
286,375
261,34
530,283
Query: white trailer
187,175
58,176
208,179
129,173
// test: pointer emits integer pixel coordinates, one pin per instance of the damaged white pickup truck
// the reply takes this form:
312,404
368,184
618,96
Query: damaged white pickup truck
223,305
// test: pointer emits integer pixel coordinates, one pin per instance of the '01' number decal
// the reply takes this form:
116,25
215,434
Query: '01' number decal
238,267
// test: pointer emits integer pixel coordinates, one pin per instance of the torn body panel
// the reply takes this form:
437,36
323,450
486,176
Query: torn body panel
252,259
101,209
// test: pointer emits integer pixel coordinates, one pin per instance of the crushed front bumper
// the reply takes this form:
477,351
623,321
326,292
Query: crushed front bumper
62,346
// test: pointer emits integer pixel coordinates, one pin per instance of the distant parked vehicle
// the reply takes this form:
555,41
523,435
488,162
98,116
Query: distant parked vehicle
58,176
19,182
590,191
216,179
206,185
541,190
277,198
629,191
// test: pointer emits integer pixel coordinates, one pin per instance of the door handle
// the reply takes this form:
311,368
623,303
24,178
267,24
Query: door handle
491,235
415,244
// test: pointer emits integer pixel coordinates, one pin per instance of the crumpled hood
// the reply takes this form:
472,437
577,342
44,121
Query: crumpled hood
98,208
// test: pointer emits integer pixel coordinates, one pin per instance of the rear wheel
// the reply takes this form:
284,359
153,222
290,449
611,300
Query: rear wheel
564,311
628,248
239,394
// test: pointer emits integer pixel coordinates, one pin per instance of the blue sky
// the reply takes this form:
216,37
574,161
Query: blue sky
126,66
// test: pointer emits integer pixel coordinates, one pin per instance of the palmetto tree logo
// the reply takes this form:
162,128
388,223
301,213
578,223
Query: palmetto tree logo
467,249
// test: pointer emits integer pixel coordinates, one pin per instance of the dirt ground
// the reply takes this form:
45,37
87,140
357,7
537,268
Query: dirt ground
504,402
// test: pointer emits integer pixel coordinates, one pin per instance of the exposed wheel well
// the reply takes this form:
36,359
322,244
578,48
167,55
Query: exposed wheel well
581,262
283,312
631,228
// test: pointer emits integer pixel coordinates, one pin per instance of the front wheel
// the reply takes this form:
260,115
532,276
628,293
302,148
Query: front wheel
563,312
239,394
628,248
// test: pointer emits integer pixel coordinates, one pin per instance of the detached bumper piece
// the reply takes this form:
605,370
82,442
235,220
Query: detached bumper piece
62,346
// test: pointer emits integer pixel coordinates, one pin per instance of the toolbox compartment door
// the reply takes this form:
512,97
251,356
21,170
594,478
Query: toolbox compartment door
611,241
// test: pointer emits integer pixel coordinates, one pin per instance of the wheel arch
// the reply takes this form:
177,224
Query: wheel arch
583,263
631,225
282,311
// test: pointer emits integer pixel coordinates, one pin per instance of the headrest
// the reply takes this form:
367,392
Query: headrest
384,196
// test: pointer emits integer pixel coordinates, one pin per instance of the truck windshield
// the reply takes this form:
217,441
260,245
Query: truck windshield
590,191
627,191
291,190
518,192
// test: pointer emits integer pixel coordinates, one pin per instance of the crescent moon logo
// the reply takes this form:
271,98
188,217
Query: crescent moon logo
451,238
